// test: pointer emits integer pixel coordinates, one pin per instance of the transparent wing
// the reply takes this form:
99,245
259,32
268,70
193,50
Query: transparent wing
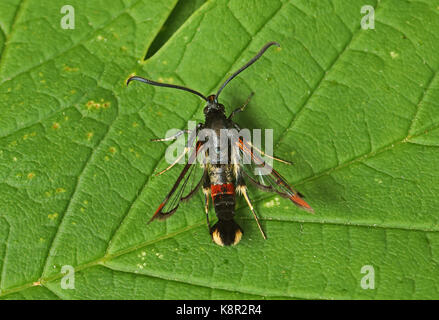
262,175
185,187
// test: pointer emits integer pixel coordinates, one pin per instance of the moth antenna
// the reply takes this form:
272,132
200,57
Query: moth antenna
248,64
167,85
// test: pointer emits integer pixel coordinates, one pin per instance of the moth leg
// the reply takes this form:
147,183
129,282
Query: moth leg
262,186
206,191
206,209
175,136
242,188
240,109
186,149
268,156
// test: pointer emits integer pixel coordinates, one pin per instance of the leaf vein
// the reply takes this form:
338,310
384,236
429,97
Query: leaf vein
80,43
7,37
323,77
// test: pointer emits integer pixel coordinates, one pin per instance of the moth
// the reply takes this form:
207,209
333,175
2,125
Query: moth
216,154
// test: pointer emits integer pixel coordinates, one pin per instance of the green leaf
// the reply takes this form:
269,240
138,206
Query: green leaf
356,111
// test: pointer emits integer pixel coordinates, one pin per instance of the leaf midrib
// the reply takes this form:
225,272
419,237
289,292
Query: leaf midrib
101,261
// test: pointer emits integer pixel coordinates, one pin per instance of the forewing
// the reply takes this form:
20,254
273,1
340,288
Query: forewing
261,174
185,187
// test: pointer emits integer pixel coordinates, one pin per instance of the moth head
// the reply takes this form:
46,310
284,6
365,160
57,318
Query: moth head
213,105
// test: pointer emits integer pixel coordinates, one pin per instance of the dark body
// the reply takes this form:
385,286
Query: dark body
222,174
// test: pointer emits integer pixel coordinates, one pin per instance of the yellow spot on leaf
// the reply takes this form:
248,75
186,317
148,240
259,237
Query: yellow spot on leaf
97,105
70,69
55,125
53,216
31,175
60,190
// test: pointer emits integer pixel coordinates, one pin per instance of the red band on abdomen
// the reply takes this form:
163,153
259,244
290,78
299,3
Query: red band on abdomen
226,188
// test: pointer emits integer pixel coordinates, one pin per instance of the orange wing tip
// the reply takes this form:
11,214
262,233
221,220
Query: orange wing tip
301,203
156,213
